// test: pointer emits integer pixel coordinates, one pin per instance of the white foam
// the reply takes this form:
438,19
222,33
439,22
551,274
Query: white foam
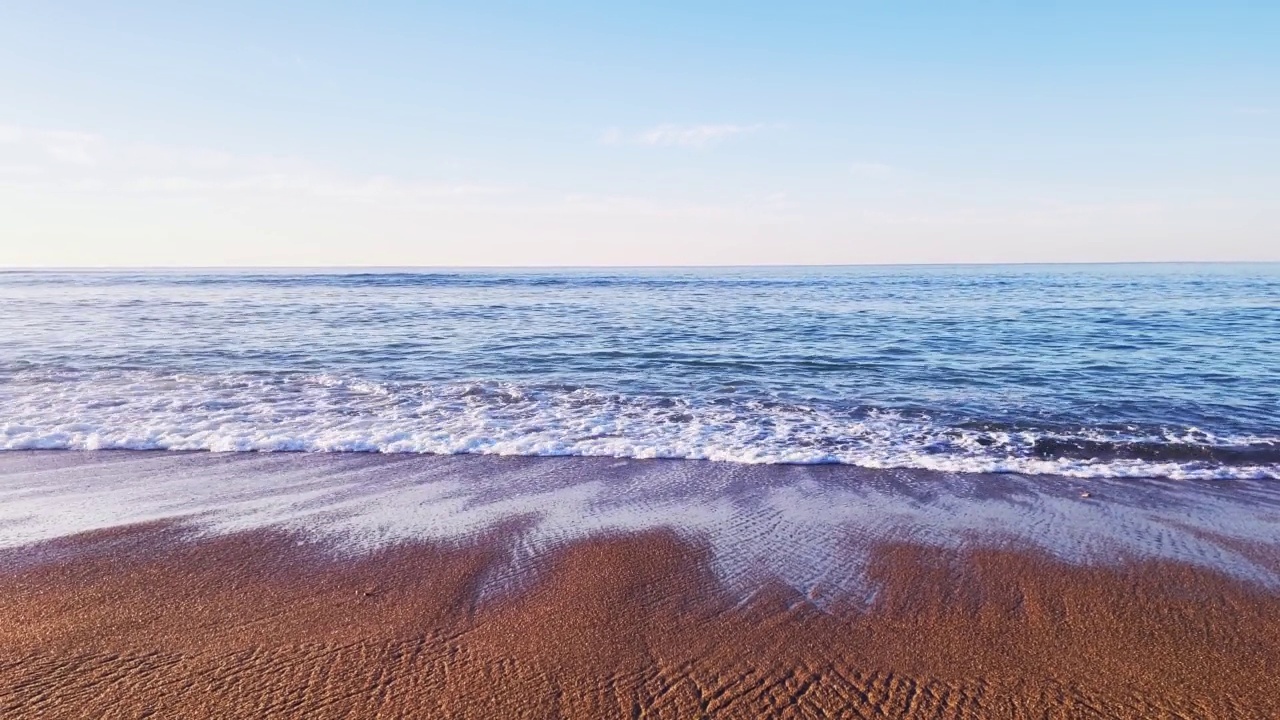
326,413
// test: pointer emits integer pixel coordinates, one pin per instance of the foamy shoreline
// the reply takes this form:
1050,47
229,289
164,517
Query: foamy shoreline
58,409
340,585
808,527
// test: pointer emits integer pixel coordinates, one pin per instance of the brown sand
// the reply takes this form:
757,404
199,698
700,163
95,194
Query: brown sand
144,623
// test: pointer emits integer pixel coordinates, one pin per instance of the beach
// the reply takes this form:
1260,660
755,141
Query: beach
652,361
376,586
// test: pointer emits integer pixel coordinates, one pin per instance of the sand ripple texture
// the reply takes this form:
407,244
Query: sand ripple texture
144,622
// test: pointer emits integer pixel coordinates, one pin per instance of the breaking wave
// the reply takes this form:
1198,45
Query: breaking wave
148,410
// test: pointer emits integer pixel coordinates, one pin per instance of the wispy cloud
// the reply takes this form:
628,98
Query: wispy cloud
673,135
42,159
60,146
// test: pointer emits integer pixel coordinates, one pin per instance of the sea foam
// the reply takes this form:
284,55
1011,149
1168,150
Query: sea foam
239,412
810,527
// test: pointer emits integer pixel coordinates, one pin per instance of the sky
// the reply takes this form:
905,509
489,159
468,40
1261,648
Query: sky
662,133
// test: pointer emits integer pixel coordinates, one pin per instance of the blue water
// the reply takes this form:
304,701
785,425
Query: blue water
1125,370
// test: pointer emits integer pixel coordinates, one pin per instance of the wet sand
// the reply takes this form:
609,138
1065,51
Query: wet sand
192,616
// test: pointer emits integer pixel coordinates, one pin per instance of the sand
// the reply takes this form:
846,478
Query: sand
153,620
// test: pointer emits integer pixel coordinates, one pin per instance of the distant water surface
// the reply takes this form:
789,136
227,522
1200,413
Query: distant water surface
1089,371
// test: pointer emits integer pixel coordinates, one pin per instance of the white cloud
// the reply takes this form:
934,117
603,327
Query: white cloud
69,198
673,135
56,160
61,146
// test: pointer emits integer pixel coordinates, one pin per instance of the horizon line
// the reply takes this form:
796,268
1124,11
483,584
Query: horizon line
762,266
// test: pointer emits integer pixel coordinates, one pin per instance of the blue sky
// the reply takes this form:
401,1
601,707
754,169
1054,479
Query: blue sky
569,133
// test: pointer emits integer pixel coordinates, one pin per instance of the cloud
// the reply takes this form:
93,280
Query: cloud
61,146
56,160
693,135
673,135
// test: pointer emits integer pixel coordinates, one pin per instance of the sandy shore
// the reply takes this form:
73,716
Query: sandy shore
172,619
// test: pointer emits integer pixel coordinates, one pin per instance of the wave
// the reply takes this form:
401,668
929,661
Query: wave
146,410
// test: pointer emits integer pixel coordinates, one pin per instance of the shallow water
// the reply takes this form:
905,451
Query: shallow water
1087,371
811,527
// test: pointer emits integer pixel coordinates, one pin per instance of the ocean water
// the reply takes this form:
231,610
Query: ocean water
1166,371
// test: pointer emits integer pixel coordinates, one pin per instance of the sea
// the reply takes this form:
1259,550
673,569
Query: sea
1086,371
